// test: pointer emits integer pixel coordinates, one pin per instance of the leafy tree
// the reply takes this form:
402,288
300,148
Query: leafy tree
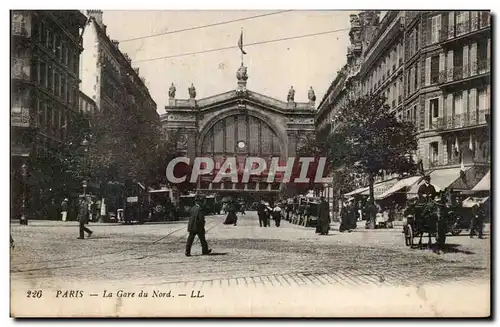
371,140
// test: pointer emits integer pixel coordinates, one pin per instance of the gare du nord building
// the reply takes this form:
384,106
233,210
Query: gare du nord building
240,123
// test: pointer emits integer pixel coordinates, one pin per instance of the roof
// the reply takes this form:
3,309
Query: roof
484,184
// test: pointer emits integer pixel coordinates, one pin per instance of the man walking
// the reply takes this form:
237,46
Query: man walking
477,222
196,226
83,214
261,211
277,214
64,209
323,217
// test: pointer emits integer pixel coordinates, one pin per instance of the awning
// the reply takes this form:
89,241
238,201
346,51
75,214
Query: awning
484,184
471,201
440,179
406,182
381,187
378,188
357,191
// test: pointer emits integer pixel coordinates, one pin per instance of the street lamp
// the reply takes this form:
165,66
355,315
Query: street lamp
85,144
24,173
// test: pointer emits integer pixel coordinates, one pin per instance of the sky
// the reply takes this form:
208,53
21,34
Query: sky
272,67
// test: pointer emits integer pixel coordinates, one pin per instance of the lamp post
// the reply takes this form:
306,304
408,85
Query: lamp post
24,173
85,145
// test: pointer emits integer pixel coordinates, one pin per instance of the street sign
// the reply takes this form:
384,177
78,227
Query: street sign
132,199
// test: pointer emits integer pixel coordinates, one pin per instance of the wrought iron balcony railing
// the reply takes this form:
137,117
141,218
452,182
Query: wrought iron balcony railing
461,120
483,66
463,27
484,19
21,69
19,29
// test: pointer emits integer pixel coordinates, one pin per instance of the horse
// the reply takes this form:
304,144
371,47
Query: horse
432,219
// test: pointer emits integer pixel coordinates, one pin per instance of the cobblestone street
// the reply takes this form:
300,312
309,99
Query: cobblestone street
243,254
258,271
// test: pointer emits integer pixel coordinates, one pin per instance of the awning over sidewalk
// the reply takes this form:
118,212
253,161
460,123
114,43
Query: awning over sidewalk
440,179
400,185
378,188
484,184
356,191
471,201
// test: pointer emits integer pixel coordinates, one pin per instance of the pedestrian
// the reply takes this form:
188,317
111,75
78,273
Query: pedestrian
231,217
64,209
344,225
277,215
477,222
323,217
352,216
196,226
83,216
11,242
261,211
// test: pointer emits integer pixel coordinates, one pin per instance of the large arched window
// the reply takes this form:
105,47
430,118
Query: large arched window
241,136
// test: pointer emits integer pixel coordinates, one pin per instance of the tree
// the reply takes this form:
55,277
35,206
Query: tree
371,140
309,146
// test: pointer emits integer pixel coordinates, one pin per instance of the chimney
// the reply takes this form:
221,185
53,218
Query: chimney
115,43
96,15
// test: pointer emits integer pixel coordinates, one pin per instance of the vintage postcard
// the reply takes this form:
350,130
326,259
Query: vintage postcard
250,163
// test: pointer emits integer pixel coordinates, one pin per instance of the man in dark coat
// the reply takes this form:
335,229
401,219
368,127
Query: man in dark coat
196,226
83,217
262,212
426,190
477,221
323,217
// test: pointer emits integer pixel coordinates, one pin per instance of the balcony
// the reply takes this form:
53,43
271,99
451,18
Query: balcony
21,69
462,28
443,76
472,119
484,19
444,34
20,117
19,29
483,66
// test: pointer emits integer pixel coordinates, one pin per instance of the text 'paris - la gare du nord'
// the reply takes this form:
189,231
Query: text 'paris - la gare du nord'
253,166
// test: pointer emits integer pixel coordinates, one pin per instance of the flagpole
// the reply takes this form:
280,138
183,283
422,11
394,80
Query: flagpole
242,47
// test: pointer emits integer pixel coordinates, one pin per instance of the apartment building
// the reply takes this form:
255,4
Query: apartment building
108,77
434,69
45,50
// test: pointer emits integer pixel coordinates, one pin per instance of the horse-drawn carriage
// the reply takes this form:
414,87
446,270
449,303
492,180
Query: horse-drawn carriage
428,215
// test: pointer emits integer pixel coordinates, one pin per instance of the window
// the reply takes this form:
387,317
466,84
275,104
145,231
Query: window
415,114
434,152
434,107
434,69
435,28
483,99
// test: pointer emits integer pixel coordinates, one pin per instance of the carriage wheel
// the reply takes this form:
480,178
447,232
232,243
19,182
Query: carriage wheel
409,236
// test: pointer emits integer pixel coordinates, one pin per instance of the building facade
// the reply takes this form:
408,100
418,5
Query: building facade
45,50
434,69
240,123
108,77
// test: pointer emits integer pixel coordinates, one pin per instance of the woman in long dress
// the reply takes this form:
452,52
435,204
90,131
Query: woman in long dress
231,217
